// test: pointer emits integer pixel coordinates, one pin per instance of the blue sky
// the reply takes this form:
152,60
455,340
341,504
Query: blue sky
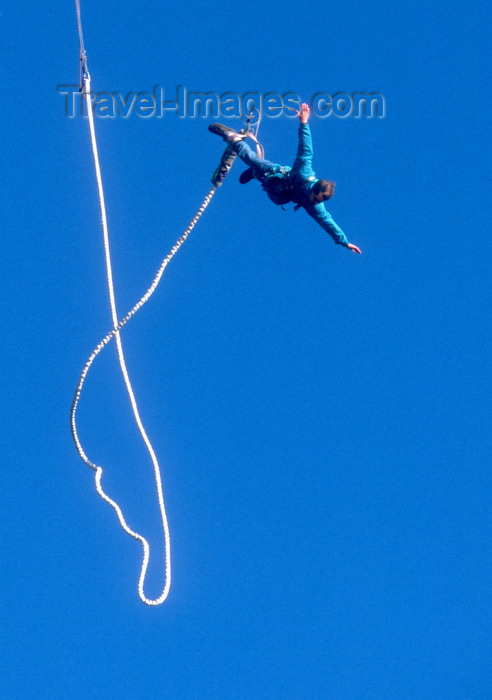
321,418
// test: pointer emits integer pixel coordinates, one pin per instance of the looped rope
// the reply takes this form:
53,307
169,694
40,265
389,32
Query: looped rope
253,133
115,333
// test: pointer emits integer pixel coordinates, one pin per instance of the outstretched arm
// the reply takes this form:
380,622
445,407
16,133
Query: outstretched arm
302,164
325,220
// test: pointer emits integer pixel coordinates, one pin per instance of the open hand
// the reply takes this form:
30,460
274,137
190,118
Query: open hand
353,247
303,113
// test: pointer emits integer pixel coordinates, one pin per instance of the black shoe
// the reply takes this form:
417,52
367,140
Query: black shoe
246,176
221,130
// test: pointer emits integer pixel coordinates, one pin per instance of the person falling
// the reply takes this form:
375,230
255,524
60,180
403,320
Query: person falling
283,184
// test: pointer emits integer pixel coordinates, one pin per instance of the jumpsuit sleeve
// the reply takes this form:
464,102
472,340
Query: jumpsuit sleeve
303,162
325,220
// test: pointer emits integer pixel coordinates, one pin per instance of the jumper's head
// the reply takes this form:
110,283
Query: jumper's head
322,191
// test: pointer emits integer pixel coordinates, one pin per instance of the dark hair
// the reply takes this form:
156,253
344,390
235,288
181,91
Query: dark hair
327,187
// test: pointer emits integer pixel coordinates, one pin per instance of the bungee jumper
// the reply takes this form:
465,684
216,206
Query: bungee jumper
283,184
297,184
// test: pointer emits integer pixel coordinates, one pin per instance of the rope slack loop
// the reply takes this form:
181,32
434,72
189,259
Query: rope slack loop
124,371
115,333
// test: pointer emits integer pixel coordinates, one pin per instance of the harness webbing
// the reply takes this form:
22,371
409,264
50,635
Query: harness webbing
115,333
